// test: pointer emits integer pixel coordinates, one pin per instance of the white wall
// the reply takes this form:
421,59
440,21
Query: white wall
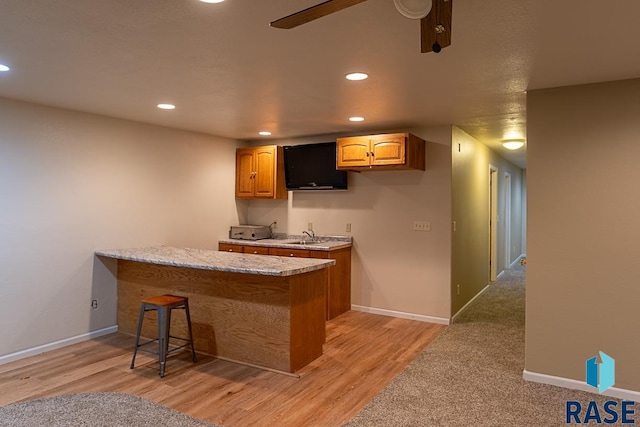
71,183
393,267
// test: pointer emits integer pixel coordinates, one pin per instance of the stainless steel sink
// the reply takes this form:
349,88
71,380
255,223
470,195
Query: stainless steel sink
302,242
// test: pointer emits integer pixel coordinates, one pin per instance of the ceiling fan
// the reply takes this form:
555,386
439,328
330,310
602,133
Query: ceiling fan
434,15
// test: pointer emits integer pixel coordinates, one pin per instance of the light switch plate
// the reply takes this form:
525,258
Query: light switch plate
421,226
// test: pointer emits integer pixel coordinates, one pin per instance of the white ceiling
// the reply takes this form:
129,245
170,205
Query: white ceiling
232,75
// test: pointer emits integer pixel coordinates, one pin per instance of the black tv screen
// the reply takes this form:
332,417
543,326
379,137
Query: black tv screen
313,167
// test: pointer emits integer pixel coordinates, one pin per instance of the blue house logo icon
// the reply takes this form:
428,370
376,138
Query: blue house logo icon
601,375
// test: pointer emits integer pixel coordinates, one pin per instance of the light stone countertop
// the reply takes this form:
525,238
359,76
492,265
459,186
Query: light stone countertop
323,243
207,259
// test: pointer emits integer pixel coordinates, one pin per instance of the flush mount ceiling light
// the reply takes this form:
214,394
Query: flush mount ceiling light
4,68
264,133
211,1
357,76
166,106
513,144
356,119
413,9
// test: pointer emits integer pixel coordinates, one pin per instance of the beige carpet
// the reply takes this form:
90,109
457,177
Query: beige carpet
472,373
95,410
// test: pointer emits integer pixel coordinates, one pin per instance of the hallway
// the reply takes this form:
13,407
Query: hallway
472,373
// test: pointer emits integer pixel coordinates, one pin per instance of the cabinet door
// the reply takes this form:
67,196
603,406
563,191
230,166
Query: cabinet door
264,181
339,285
353,151
226,247
300,253
245,173
388,149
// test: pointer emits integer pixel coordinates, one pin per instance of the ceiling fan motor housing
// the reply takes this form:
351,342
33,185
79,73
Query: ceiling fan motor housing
413,9
434,16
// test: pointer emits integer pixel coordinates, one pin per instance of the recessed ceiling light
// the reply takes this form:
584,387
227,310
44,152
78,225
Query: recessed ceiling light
356,119
513,144
166,106
357,76
4,68
264,133
211,1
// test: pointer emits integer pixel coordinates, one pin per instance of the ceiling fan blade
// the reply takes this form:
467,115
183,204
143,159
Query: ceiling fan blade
313,12
440,15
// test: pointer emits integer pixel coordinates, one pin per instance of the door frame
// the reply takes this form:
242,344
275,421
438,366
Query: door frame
507,220
493,223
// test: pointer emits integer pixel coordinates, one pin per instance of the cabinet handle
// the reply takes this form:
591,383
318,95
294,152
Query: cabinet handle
290,254
367,154
255,252
372,154
230,250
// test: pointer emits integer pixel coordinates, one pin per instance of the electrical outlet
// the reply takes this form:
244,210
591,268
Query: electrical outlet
348,228
310,226
94,304
421,226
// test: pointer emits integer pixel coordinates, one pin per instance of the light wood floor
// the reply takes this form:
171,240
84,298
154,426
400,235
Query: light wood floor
362,354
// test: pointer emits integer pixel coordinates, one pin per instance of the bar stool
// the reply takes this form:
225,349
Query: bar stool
164,304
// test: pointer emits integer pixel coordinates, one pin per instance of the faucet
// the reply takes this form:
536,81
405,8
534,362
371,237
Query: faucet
311,235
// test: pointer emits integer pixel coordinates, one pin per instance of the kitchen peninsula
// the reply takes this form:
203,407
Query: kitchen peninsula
337,248
267,311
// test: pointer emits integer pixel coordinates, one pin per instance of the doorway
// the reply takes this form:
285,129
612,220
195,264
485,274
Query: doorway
493,222
507,220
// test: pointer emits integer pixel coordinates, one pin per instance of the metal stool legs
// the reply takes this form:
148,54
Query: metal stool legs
164,305
193,349
164,321
135,348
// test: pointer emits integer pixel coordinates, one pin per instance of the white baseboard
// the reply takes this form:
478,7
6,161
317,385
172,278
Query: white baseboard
455,316
618,393
401,314
56,345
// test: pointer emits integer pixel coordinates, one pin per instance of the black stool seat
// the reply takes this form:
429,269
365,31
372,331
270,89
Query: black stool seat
164,304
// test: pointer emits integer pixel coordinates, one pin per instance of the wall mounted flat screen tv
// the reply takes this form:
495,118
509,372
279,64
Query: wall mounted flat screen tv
313,167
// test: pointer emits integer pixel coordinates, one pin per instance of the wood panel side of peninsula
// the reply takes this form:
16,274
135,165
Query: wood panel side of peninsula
277,322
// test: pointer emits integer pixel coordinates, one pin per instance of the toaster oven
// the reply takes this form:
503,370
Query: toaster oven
249,232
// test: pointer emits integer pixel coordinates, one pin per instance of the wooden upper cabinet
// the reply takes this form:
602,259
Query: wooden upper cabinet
244,173
260,173
380,152
352,152
388,149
